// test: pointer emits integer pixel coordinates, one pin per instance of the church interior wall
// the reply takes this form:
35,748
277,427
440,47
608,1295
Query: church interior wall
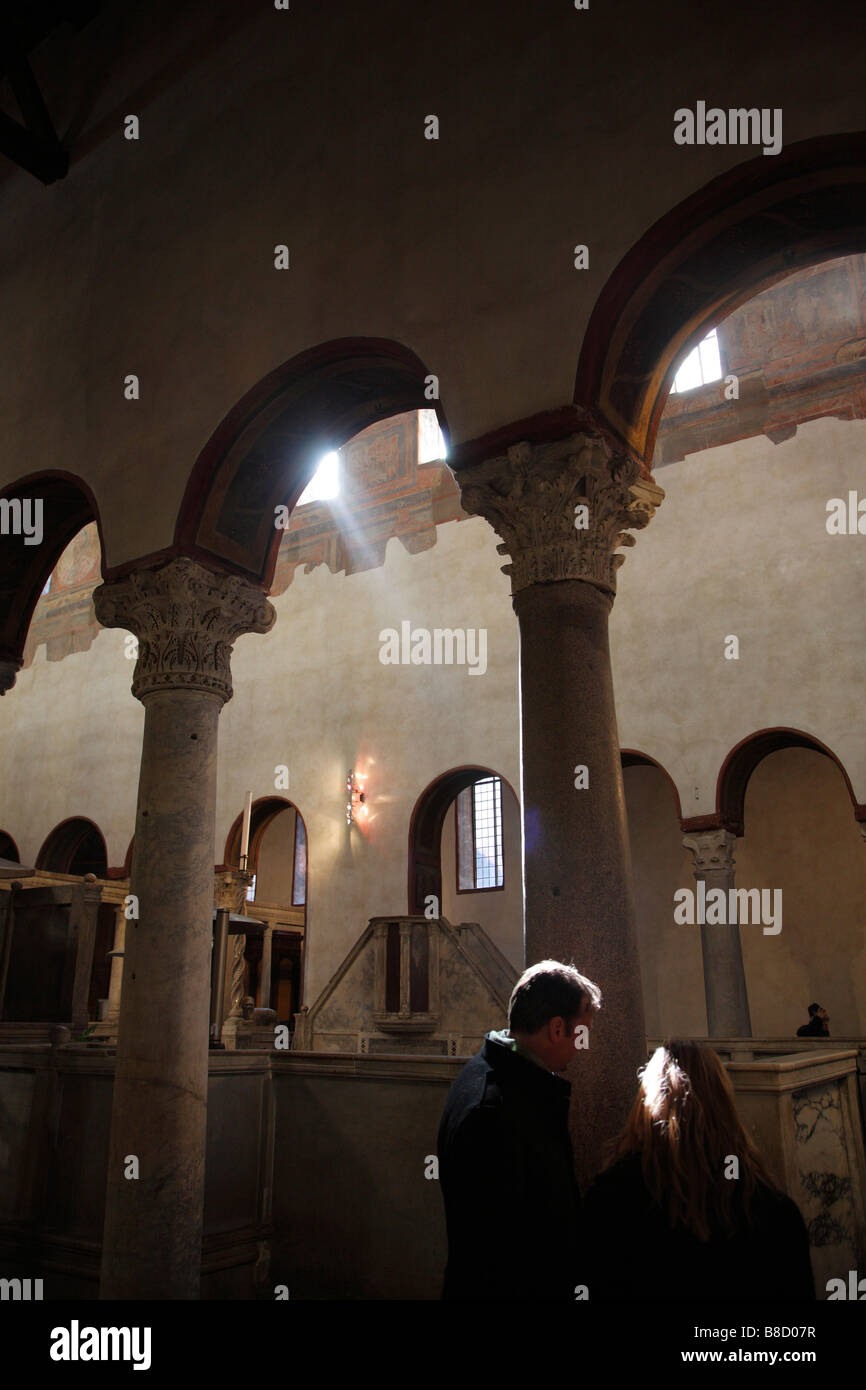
740,547
314,697
195,212
276,859
801,838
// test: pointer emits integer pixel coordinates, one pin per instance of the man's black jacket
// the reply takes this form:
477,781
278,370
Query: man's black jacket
507,1177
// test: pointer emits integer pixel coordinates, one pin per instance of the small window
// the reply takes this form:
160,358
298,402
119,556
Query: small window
431,440
702,365
479,836
299,881
325,482
251,890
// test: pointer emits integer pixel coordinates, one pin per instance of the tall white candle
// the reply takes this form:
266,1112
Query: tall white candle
245,832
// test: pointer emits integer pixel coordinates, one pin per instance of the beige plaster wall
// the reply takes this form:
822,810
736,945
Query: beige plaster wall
500,911
314,696
740,546
800,838
670,955
305,127
276,859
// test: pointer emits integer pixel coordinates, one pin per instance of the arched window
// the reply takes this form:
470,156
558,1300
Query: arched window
480,863
75,846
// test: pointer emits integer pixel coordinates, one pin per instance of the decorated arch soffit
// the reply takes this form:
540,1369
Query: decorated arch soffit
739,234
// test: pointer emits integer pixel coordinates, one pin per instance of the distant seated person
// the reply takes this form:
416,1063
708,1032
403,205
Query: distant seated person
817,1025
687,1209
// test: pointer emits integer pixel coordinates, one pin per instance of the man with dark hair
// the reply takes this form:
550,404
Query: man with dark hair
817,1025
506,1167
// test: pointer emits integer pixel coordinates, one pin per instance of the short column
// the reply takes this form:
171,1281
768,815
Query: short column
724,976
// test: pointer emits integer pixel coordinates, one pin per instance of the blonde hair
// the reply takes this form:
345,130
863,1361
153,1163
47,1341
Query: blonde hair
685,1127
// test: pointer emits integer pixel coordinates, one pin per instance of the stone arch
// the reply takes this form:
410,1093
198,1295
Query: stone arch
263,812
733,238
68,505
741,762
8,848
425,830
631,757
289,952
75,846
266,449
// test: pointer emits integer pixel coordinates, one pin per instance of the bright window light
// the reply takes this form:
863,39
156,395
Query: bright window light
325,482
702,365
431,440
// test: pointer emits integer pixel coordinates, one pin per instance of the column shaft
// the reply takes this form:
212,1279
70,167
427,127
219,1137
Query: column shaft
577,861
160,1088
724,975
563,509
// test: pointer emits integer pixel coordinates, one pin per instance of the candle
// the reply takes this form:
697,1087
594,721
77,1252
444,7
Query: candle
245,832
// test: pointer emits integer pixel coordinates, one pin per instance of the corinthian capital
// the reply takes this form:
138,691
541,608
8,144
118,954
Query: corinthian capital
186,620
712,849
531,496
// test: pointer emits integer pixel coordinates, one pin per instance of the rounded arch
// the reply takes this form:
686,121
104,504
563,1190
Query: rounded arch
733,238
425,829
8,848
62,504
742,760
263,812
266,449
631,757
75,846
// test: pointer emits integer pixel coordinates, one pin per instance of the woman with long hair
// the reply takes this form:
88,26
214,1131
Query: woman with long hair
686,1208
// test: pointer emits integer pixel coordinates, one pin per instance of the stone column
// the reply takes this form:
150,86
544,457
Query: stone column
83,912
405,966
561,510
186,619
112,1013
724,976
265,968
380,965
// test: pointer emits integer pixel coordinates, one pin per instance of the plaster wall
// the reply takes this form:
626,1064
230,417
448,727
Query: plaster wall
739,546
276,858
314,695
800,839
306,127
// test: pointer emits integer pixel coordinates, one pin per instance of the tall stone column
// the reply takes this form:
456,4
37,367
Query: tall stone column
115,984
186,619
724,976
562,510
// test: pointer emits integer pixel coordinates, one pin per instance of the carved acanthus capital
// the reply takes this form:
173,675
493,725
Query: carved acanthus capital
186,620
713,850
563,509
8,671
